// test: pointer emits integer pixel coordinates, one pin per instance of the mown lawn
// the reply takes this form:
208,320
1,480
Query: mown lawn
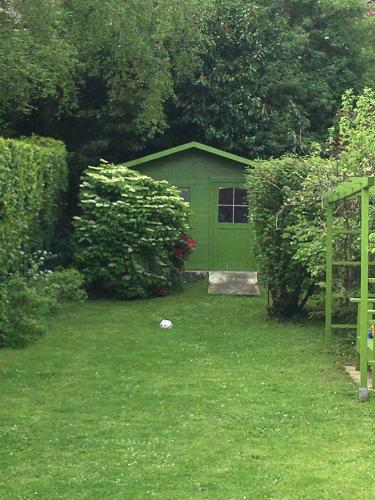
228,404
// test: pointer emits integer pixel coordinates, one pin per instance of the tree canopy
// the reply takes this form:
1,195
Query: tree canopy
273,72
37,63
114,78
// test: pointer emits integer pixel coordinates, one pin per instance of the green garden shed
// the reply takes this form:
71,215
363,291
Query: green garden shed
213,182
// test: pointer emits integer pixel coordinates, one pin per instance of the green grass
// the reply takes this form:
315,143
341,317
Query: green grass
228,404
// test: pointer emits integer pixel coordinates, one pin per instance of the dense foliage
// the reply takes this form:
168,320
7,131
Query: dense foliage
27,300
272,183
129,54
106,91
352,153
273,72
37,62
287,196
33,178
112,78
129,239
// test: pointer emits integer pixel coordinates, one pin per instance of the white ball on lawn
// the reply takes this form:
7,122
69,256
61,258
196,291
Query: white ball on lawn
166,323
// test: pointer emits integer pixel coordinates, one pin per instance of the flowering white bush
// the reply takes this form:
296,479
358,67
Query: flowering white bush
126,237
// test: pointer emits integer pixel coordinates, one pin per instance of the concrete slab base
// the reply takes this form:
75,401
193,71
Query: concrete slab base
355,375
363,394
233,283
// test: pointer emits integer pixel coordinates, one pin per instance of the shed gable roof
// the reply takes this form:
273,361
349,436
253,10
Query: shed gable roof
185,147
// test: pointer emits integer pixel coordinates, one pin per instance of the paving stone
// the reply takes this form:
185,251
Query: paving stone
233,283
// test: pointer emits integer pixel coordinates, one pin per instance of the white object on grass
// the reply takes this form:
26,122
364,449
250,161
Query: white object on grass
166,323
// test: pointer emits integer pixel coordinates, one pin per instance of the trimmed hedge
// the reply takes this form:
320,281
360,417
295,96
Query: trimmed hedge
129,241
33,176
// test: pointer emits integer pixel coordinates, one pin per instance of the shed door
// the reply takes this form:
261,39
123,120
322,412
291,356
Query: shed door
230,242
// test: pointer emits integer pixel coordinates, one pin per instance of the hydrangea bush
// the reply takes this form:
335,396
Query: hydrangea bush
130,239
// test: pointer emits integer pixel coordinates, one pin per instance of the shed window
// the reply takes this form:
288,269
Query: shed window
185,194
233,205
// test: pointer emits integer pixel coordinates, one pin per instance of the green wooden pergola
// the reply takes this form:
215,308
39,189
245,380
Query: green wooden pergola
360,187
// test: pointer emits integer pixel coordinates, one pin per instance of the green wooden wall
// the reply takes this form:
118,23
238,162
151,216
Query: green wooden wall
219,246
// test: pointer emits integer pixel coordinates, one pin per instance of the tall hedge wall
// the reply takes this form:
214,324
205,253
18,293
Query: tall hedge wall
33,176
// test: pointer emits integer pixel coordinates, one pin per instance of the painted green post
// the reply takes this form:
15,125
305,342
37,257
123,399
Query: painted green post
358,339
363,318
354,187
329,266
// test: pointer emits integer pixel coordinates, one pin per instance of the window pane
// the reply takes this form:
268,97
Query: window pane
226,214
241,214
240,196
185,195
225,196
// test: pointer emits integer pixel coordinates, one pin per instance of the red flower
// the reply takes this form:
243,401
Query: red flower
179,252
164,290
190,242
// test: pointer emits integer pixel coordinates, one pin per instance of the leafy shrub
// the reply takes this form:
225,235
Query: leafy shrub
126,239
26,301
22,312
271,185
287,196
62,285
